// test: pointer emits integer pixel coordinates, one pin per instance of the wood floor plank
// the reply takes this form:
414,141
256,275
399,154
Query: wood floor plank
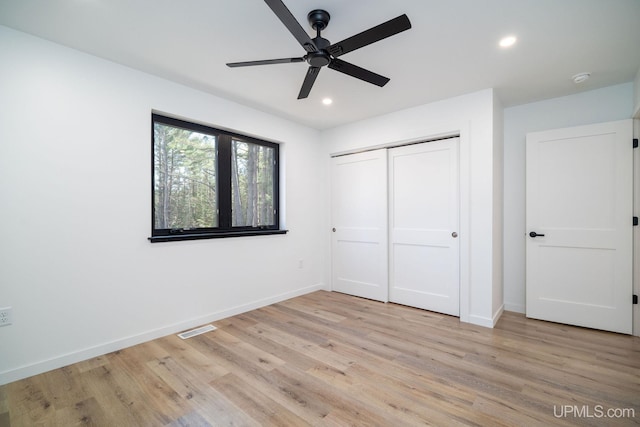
186,355
270,383
30,402
87,412
329,359
191,419
351,409
213,406
275,348
268,317
328,330
304,347
4,408
112,395
261,407
394,396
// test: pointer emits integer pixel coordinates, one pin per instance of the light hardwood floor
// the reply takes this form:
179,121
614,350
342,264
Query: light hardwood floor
332,359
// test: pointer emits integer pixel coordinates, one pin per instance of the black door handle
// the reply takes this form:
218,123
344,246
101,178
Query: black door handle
534,234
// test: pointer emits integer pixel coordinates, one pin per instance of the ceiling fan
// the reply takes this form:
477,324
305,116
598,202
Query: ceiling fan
320,52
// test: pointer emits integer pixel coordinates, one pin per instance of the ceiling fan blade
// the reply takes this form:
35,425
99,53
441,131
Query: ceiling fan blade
265,62
292,25
309,79
357,72
372,35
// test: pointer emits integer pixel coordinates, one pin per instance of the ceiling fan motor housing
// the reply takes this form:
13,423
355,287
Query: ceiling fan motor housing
319,19
321,57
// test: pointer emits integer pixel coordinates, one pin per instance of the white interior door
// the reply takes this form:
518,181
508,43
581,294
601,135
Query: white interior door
359,217
424,266
579,203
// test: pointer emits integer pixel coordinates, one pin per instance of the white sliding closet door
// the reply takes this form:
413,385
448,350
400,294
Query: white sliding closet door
359,217
424,265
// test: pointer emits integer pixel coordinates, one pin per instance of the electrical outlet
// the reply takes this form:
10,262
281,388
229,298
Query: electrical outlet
5,316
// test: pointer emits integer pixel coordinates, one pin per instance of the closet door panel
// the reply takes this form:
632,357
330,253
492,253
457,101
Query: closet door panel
424,253
359,217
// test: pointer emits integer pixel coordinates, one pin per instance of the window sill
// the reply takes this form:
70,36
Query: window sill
201,236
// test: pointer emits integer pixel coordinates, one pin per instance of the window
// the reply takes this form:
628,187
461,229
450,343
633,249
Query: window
211,183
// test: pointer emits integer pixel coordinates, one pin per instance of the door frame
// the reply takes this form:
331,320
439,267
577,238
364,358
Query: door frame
636,230
462,131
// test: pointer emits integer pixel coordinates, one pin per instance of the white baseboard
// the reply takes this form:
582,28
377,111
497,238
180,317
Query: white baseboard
487,322
108,347
481,321
497,314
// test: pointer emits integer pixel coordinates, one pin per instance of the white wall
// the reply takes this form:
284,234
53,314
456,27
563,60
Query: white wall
472,117
498,214
636,91
601,105
75,165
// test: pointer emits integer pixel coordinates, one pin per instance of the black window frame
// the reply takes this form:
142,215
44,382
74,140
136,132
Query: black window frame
224,140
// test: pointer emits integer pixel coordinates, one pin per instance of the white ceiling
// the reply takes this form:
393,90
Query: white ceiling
452,48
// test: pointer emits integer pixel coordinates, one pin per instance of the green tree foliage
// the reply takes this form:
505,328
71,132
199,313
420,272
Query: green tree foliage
185,183
252,184
185,178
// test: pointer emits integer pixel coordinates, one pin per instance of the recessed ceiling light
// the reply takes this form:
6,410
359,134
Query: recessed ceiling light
508,41
327,101
581,77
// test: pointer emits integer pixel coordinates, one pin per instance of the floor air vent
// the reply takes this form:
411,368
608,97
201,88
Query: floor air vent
196,331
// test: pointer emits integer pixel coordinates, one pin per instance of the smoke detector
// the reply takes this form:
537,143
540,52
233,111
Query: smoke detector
581,77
